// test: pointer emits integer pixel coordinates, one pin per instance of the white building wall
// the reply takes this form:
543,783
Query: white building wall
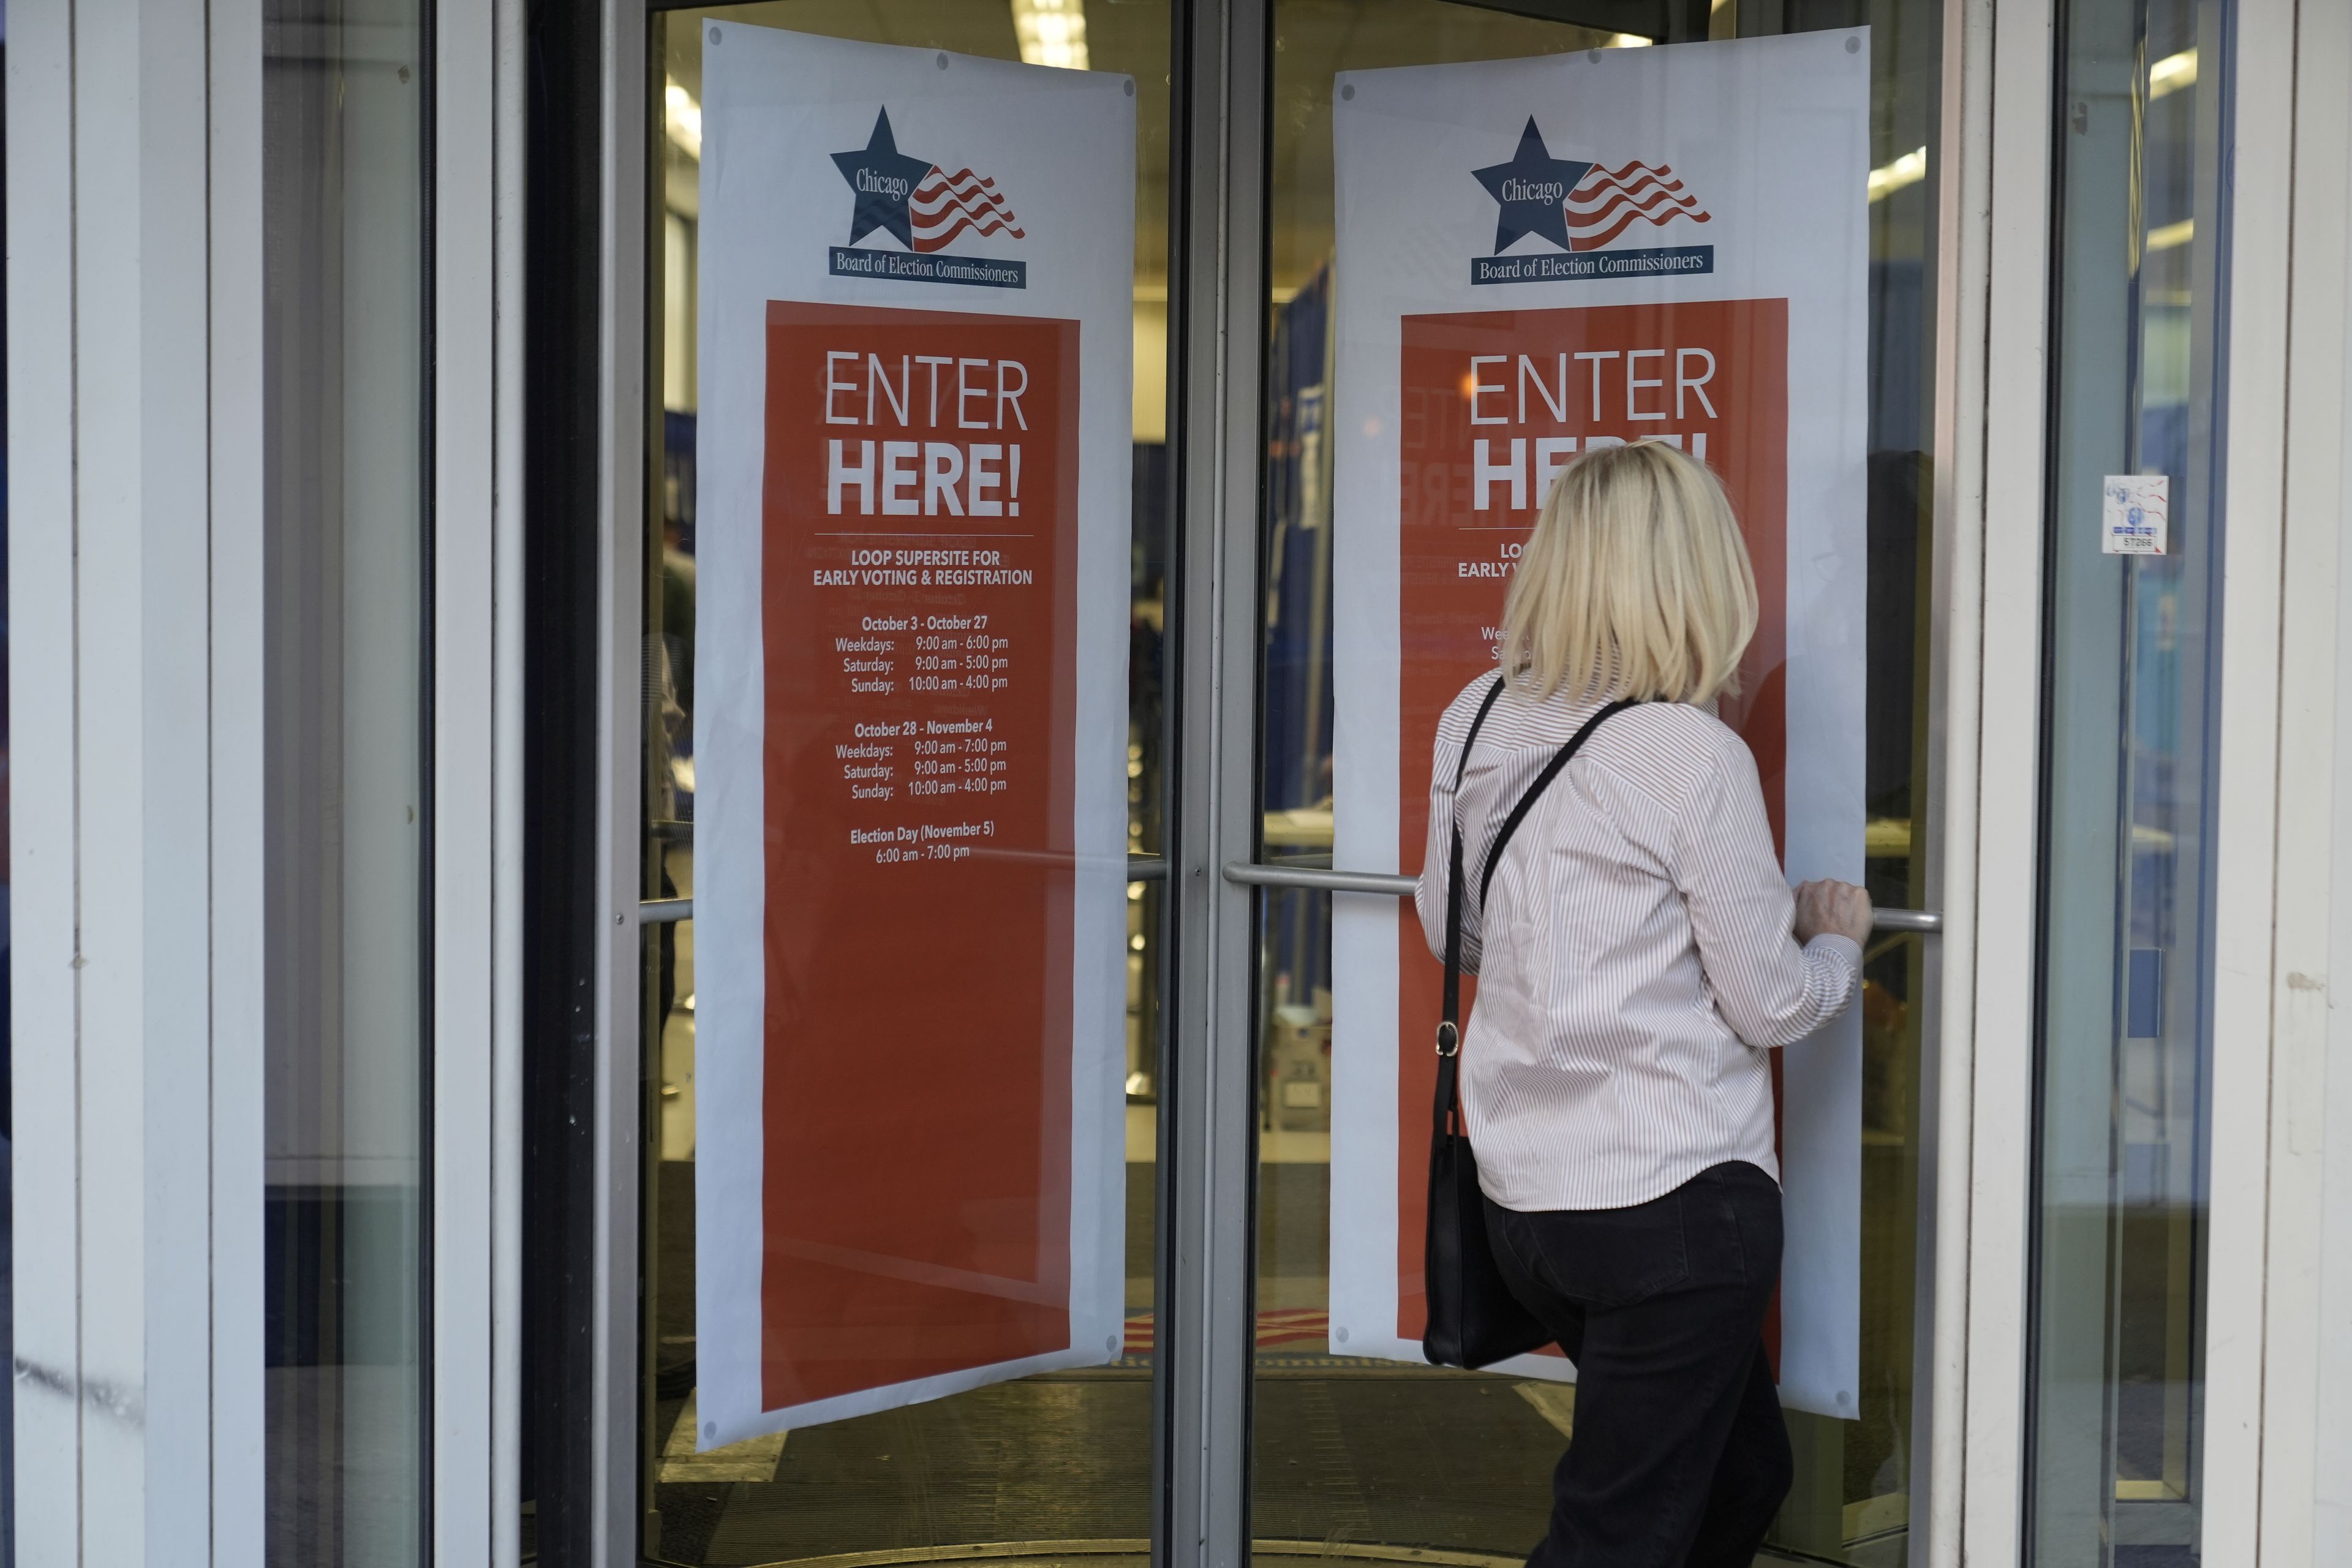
136,369
2306,1433
113,831
2320,1137
2331,1339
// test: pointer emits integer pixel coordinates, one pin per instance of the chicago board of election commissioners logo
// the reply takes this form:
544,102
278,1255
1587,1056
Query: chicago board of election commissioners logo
923,207
1583,206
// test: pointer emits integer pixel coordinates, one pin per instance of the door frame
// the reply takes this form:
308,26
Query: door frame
2276,692
1204,1304
1204,1332
614,1435
1992,621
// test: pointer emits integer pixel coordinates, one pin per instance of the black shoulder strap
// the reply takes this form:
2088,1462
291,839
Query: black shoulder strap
1449,1029
1543,781
1449,1032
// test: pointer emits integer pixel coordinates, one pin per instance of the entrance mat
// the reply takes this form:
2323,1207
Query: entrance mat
1285,1334
1105,1554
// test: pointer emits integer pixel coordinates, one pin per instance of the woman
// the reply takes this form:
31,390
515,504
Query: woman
1641,955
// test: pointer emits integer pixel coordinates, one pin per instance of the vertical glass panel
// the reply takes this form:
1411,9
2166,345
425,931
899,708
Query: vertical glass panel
8,1033
349,816
2132,640
1394,1455
1048,1464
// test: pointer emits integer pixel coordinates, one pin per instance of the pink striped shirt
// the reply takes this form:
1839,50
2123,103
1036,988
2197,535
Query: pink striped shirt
1634,959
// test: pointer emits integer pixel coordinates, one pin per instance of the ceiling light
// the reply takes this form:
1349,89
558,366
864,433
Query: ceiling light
2172,73
1052,32
682,118
1909,170
1630,41
2172,235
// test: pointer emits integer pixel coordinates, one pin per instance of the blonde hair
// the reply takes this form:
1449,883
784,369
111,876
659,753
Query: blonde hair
1635,583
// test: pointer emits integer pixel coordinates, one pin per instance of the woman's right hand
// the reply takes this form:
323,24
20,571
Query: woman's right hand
1838,908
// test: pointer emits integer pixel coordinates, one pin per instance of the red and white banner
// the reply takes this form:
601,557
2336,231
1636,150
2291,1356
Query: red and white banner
1535,257
911,727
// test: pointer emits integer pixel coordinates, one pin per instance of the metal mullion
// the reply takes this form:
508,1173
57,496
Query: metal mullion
1989,572
614,1438
1208,1154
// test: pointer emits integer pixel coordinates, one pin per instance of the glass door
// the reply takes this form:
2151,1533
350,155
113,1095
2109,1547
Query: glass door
930,695
2135,538
1357,1449
1242,1402
348,1042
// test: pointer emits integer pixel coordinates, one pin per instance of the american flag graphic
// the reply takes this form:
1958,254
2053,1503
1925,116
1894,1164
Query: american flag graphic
945,204
1606,201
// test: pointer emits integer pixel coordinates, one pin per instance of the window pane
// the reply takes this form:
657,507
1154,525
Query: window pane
1341,1447
348,810
2125,1033
1062,1456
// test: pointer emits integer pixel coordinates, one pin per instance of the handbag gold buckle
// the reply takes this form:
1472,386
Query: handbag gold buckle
1449,1040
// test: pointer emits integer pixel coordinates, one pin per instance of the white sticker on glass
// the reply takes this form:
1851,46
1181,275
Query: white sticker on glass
2133,512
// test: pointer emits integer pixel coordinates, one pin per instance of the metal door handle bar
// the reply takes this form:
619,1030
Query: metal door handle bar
668,911
1314,877
1147,868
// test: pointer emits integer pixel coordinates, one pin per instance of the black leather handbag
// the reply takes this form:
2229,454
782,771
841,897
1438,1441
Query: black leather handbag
1474,1319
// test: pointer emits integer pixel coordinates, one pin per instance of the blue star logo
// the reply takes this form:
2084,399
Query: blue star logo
1532,191
884,180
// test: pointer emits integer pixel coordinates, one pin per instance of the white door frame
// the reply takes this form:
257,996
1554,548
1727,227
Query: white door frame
479,125
2275,702
135,222
1991,941
136,825
1990,354
615,1435
2306,1433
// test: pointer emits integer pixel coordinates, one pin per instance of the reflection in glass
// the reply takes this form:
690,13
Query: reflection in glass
345,1047
2125,1039
1381,1452
1062,1456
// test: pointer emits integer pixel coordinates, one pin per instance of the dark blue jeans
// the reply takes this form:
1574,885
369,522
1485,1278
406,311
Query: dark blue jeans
1680,1457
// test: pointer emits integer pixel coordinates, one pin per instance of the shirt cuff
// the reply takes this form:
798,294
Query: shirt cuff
1847,951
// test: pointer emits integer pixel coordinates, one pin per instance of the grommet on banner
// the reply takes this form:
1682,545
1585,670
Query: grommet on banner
943,61
714,35
1130,87
1853,45
1348,91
